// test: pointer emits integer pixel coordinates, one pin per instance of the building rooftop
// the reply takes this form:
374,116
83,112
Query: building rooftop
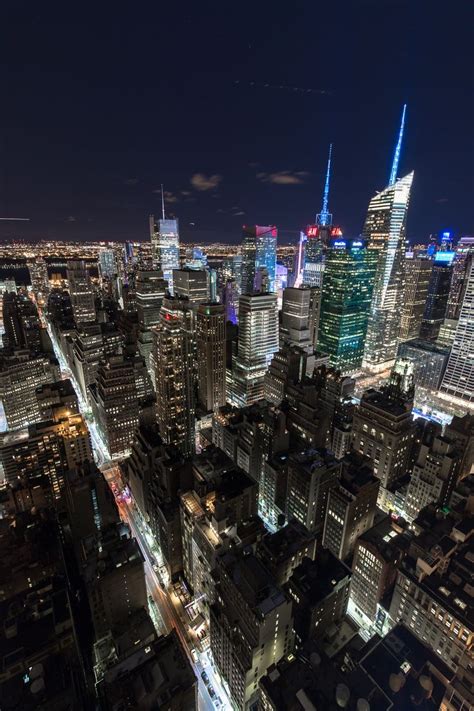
253,581
286,542
316,579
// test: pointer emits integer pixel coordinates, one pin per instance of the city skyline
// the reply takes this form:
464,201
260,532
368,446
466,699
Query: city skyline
96,173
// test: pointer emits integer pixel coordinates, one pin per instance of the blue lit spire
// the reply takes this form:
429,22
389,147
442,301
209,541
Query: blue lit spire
324,217
398,148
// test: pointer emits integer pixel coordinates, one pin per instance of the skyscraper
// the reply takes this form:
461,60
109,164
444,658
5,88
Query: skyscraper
258,252
295,315
417,278
438,294
81,292
464,254
115,404
458,379
192,284
150,291
210,350
164,237
174,375
107,263
258,341
317,237
384,230
346,297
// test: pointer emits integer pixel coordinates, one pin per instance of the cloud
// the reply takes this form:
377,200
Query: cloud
130,181
283,177
169,196
185,193
442,200
236,214
71,218
203,182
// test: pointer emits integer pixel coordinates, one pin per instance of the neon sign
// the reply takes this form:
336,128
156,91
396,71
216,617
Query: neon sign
312,231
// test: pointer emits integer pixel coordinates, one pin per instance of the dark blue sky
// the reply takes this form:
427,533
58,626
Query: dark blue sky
101,104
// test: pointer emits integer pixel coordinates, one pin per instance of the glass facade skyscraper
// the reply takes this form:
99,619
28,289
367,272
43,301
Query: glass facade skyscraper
346,297
458,379
258,253
164,237
384,230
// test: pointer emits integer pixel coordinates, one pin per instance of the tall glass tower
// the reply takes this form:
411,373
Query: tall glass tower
384,230
346,297
258,253
164,236
458,380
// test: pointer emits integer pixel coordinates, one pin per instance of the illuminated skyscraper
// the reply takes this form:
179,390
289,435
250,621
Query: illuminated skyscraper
258,341
174,374
108,263
258,252
384,230
192,284
81,292
461,262
210,350
417,278
150,291
346,298
295,313
458,379
317,237
438,294
164,237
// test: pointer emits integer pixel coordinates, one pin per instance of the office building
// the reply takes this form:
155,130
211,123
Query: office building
87,351
289,365
282,552
458,380
144,670
81,292
211,355
21,322
351,505
346,297
377,556
461,265
437,299
311,475
251,624
258,341
52,396
118,567
115,404
150,290
417,279
175,374
108,268
435,472
164,236
20,375
383,429
432,591
429,361
49,448
385,231
192,284
258,252
295,315
319,589
39,280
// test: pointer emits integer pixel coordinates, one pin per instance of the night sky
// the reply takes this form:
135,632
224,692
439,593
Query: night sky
101,104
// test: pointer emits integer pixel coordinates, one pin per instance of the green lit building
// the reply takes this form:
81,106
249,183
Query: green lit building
346,297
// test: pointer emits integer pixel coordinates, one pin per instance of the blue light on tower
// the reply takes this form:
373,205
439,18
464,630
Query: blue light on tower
324,217
398,149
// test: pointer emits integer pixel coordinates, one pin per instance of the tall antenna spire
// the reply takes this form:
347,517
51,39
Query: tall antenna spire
398,149
324,217
162,202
